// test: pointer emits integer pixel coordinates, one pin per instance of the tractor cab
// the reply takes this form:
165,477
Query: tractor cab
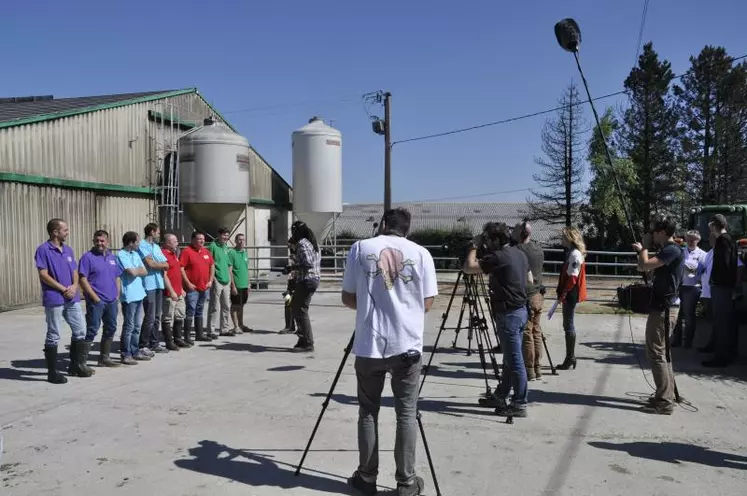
736,217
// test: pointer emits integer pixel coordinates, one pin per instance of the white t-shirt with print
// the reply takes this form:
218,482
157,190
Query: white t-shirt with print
390,276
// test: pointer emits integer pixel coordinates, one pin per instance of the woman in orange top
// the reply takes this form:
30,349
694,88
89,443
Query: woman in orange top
571,289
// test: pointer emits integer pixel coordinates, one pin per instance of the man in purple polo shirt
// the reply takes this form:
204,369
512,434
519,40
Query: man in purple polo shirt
99,279
58,274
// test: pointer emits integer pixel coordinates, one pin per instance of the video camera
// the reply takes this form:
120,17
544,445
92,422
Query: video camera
485,242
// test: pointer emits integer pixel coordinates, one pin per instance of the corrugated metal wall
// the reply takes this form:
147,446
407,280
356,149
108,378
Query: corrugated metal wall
24,213
117,214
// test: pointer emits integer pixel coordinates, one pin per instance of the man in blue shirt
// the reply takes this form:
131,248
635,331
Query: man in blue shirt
99,279
133,294
156,263
58,275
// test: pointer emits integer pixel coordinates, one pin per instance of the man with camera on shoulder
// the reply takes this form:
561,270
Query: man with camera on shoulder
491,253
390,282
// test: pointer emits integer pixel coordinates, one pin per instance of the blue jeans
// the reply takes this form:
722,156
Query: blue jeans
569,311
689,296
196,304
70,313
96,313
510,330
150,336
132,314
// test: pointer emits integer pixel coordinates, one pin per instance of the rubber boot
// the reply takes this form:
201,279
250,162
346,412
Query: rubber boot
178,326
53,375
76,367
104,355
200,331
168,337
570,353
85,350
188,334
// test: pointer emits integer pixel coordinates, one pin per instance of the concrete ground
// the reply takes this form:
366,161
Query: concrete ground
232,418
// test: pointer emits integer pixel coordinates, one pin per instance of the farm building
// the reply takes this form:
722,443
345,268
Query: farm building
107,162
357,219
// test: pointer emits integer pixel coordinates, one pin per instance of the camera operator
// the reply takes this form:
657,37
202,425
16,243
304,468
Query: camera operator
510,273
667,267
391,283
532,341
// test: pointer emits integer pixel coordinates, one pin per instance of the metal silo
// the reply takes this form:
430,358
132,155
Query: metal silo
317,175
214,176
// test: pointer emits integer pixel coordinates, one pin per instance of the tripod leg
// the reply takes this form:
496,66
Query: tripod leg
428,454
549,358
444,319
326,402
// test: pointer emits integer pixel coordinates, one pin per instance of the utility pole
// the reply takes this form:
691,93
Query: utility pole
387,151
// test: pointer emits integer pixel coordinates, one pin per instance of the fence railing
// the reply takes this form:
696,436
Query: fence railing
605,270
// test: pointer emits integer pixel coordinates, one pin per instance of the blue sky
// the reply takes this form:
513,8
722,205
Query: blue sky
269,66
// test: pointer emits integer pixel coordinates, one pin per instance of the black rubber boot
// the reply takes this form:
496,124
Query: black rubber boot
77,367
570,353
178,326
53,375
188,334
105,359
200,331
85,350
168,337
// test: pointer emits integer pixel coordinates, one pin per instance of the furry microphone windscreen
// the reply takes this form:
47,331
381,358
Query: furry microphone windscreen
568,34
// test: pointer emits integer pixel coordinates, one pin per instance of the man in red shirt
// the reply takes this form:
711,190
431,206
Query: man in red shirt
174,306
198,269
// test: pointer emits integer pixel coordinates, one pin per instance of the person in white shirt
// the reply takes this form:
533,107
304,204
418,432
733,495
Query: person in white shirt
391,283
689,292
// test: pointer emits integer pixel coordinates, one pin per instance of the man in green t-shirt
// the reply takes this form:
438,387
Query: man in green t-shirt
239,283
220,292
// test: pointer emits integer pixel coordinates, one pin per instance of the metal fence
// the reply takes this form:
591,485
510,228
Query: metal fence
606,271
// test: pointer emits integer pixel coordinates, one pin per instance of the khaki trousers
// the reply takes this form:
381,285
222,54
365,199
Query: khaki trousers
532,338
173,310
657,328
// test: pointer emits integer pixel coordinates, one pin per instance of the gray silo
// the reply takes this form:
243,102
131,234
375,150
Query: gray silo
214,169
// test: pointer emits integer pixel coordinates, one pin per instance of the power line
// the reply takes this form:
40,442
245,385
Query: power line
527,116
640,31
491,193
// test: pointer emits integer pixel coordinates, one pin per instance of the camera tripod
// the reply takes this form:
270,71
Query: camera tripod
348,348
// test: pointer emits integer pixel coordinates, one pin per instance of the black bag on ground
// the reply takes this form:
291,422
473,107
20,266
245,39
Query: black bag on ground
635,297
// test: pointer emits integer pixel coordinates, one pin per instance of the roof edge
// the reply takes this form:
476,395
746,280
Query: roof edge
94,108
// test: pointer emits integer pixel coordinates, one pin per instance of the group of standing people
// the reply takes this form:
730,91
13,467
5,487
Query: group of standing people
162,293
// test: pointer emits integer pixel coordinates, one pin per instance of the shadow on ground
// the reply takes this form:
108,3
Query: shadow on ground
677,453
256,470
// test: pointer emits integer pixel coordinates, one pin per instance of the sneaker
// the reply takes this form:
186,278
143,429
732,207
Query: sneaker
531,376
413,489
142,357
228,333
511,411
307,348
357,482
657,409
492,402
147,352
237,330
160,349
128,360
247,329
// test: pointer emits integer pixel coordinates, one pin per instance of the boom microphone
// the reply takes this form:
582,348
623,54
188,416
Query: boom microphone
568,34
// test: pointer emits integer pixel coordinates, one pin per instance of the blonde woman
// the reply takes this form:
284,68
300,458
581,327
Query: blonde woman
571,289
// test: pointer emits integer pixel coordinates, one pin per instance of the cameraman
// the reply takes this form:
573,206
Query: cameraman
667,267
390,282
510,273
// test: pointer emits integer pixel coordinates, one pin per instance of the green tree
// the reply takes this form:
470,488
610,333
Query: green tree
701,99
649,136
562,168
604,215
732,146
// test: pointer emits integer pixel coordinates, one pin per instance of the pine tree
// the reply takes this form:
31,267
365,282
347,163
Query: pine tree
732,145
562,168
700,103
649,136
604,215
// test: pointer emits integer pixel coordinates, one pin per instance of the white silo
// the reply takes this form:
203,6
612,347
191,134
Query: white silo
317,175
214,176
